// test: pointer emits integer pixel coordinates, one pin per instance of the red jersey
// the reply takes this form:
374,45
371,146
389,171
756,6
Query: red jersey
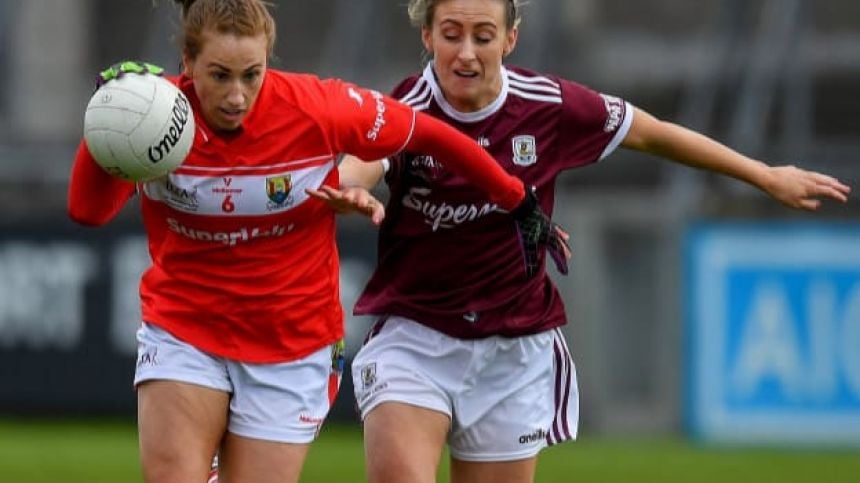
244,262
447,257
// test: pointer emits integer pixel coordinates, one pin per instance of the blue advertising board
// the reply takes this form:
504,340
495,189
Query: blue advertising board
773,339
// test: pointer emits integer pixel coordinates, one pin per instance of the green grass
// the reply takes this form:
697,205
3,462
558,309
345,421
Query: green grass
95,452
67,452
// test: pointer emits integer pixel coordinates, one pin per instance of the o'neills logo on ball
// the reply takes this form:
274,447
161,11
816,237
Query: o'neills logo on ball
178,120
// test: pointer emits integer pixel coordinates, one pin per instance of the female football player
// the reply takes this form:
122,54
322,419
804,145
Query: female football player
467,350
239,347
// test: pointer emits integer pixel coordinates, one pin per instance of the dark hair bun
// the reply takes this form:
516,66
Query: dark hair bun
186,4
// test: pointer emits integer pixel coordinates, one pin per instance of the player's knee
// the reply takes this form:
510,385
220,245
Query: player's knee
165,465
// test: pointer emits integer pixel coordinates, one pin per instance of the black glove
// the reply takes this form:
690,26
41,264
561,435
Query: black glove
126,67
535,231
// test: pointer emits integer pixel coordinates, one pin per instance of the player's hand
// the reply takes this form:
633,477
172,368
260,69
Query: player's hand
801,189
560,252
537,231
126,67
352,199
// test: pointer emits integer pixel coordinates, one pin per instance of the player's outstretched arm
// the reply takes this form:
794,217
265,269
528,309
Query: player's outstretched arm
94,196
466,158
791,186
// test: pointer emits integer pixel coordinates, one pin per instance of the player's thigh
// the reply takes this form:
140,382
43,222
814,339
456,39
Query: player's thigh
246,459
403,443
180,426
183,399
520,471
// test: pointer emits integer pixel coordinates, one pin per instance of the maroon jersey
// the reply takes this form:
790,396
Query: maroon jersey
450,259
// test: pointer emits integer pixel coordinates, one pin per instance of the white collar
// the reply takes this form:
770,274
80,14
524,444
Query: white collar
466,117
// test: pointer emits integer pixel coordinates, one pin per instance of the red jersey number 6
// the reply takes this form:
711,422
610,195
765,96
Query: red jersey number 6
228,206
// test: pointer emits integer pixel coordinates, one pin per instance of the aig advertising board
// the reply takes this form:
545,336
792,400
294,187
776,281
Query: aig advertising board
69,310
773,341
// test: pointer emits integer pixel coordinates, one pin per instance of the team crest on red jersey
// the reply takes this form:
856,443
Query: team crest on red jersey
278,190
525,150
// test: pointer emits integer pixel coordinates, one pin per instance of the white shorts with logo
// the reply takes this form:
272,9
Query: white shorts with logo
507,398
284,402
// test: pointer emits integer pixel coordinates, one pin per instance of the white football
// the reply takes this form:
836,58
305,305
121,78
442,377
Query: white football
139,127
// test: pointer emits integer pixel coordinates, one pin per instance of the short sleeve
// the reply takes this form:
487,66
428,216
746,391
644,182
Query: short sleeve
366,123
592,124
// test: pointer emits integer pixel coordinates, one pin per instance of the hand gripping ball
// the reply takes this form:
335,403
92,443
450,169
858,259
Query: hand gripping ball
138,126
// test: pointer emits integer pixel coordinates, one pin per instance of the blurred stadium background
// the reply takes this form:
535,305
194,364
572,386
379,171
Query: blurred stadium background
701,313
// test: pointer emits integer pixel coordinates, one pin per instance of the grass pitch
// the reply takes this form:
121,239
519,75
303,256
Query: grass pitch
106,452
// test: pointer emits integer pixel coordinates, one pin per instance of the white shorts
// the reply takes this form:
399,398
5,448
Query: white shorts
284,402
507,398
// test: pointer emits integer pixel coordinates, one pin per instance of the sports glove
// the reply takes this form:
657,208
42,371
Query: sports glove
535,231
126,67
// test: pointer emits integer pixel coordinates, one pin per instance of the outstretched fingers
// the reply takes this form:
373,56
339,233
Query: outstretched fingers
558,248
564,238
831,187
802,189
350,200
376,211
819,186
325,194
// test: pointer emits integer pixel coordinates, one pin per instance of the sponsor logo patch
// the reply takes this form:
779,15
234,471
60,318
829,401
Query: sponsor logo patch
354,95
379,121
426,167
178,120
537,435
443,215
179,197
614,112
148,358
230,238
310,419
